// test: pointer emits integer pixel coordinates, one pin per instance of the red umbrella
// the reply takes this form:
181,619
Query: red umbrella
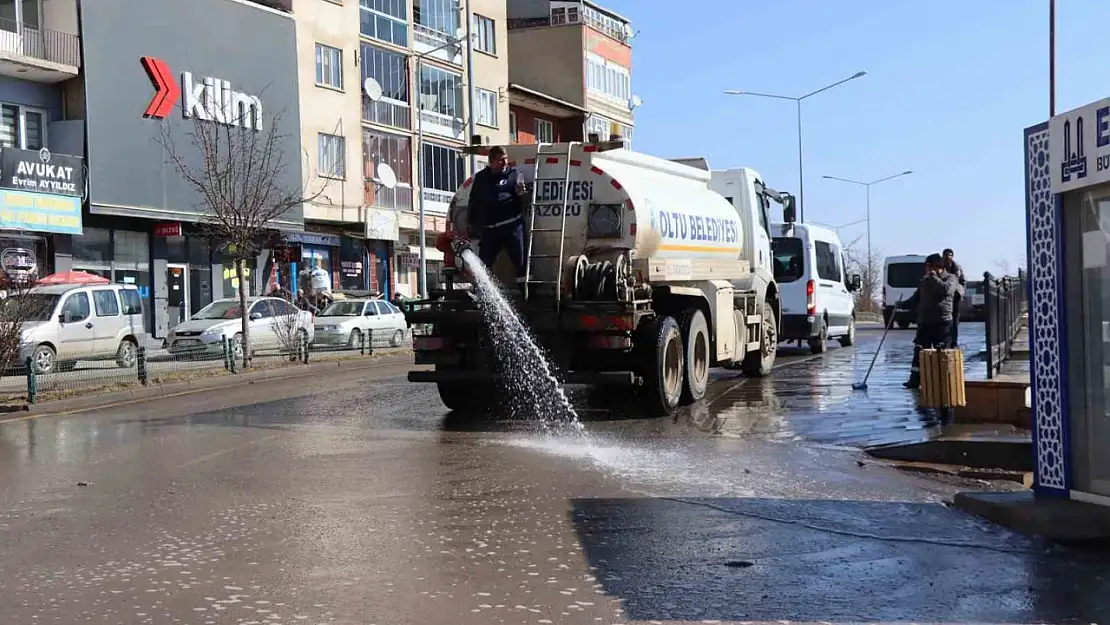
74,277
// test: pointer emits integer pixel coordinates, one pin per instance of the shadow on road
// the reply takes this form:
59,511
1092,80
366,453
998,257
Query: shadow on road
833,561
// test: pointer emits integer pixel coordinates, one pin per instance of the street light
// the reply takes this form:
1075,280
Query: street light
419,58
838,228
798,102
868,185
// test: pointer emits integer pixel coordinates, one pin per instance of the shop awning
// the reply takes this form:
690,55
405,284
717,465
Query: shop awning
430,253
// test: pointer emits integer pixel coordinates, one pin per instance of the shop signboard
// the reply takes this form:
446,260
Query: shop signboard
19,263
167,229
1079,147
40,171
40,212
382,224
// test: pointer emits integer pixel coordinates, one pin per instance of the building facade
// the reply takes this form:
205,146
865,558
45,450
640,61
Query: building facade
40,204
538,118
576,53
416,52
143,99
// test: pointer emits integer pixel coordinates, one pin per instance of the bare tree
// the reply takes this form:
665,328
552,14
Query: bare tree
18,305
870,270
241,172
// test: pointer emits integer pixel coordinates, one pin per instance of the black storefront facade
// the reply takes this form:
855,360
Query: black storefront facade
181,64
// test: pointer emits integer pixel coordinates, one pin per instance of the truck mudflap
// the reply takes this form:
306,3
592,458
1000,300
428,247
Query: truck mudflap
603,378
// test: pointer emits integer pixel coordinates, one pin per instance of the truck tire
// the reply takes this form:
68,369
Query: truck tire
759,364
902,325
695,343
661,357
465,398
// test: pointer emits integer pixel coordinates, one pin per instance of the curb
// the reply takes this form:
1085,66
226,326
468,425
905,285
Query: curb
138,394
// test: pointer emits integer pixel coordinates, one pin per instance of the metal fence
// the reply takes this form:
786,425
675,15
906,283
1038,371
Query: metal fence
45,375
1005,303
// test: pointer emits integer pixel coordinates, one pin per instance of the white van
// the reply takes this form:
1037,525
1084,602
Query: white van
817,300
901,275
70,322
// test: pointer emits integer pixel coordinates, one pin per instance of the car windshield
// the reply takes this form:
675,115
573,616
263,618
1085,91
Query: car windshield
28,307
787,255
904,275
226,309
343,309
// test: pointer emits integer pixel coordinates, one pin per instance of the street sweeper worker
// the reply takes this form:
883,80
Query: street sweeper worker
495,214
933,301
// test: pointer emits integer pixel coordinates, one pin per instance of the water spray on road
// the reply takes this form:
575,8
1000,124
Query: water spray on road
526,377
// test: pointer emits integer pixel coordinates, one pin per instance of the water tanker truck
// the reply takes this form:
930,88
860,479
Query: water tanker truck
639,277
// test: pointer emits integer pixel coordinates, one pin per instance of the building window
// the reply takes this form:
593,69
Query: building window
444,168
485,34
545,131
329,66
386,20
391,72
513,135
333,153
603,128
611,26
440,91
439,15
608,79
486,105
22,127
392,150
558,16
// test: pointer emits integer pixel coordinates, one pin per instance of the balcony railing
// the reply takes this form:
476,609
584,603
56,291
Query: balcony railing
40,43
442,125
427,39
387,113
398,198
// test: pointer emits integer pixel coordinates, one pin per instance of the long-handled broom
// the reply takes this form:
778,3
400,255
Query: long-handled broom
862,386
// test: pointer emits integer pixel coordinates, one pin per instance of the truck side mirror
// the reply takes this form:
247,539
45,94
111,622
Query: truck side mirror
789,208
855,282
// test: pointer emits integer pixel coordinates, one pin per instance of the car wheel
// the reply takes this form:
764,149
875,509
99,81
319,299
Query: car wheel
820,343
398,338
849,339
44,360
126,354
356,339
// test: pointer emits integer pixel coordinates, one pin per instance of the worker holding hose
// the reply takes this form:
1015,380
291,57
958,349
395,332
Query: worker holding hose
495,214
933,301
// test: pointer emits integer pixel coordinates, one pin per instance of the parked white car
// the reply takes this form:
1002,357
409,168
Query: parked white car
345,323
70,322
273,322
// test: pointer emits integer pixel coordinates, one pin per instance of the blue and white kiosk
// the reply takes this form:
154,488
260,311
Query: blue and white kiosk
1067,182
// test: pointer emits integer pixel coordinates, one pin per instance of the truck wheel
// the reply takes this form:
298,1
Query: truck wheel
820,343
470,399
759,364
695,342
661,355
902,325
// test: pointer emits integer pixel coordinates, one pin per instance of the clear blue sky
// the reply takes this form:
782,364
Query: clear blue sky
950,87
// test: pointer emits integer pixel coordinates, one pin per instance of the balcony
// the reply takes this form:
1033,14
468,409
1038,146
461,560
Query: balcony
38,54
425,39
441,125
437,202
397,198
387,113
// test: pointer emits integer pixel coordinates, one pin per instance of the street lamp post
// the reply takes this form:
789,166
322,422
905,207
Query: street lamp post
868,185
798,102
419,58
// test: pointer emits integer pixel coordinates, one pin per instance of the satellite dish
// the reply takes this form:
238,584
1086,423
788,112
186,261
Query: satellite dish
635,102
628,31
372,89
386,176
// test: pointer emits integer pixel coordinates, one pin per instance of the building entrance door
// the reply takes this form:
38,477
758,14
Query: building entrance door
177,294
1095,222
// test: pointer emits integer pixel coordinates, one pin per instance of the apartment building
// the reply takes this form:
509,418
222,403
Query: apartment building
416,52
40,59
571,63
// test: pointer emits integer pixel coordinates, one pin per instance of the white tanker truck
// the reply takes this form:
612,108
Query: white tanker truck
639,276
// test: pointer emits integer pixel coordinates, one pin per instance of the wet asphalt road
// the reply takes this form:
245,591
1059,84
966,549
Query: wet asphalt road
354,499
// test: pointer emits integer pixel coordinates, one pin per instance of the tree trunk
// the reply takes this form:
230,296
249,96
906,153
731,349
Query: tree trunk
240,275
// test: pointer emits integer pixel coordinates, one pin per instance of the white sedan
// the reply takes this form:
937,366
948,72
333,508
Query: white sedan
345,323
